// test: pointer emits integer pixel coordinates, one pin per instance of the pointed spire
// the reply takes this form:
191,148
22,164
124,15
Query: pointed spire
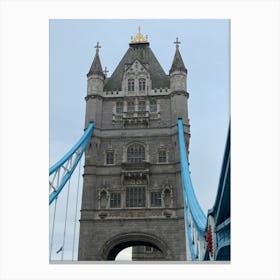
96,67
177,63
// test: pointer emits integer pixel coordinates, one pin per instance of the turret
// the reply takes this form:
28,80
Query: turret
179,95
95,75
178,71
95,85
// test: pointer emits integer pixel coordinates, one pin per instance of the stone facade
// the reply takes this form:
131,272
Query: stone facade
132,193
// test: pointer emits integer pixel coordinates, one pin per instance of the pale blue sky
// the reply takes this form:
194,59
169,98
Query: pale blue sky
205,49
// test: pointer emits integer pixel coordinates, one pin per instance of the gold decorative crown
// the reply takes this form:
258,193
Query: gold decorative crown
139,38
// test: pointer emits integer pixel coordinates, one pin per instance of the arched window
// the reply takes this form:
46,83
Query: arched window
153,106
130,85
142,84
135,153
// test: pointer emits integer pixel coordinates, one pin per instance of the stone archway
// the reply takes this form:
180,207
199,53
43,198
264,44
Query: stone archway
119,242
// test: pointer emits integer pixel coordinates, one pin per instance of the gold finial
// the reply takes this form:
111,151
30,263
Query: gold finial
139,38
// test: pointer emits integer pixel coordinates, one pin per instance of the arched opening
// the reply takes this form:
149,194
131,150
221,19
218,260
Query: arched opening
139,251
124,255
223,254
144,247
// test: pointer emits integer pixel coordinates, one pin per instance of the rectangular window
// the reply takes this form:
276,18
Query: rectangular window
142,106
130,85
148,249
135,197
162,156
135,153
153,106
119,107
115,200
130,107
110,157
155,199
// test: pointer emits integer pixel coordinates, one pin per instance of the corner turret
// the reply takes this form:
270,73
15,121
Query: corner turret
178,87
95,86
178,71
96,75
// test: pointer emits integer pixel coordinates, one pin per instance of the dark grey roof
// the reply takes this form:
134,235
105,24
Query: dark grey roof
177,63
143,53
96,67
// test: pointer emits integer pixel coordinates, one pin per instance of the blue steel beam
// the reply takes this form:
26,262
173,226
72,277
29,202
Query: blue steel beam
190,200
78,148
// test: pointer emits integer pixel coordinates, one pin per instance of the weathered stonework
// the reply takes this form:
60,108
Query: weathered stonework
132,193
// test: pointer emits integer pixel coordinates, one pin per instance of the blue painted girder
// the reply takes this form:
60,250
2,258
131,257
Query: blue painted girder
81,144
190,201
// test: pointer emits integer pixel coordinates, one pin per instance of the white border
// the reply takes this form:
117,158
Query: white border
255,137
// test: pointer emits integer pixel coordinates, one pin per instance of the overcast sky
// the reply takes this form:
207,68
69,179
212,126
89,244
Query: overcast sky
205,49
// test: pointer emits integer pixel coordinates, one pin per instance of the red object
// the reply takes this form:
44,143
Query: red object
209,239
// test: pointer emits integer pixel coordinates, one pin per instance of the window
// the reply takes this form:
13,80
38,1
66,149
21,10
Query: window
135,153
110,157
162,156
142,106
155,199
153,106
119,107
142,84
135,197
130,107
130,85
148,249
115,200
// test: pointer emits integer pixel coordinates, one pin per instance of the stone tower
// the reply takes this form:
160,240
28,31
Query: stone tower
132,193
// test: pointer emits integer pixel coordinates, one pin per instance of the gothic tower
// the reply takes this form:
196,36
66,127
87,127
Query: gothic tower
132,193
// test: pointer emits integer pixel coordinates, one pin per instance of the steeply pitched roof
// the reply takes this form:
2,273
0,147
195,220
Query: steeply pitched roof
177,63
143,53
96,67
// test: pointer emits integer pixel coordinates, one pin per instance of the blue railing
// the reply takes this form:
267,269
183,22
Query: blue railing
72,161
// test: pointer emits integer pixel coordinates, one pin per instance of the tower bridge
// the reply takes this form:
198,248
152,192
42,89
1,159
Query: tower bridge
137,188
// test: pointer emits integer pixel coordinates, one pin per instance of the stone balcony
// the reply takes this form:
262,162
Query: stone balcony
135,166
135,173
139,118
